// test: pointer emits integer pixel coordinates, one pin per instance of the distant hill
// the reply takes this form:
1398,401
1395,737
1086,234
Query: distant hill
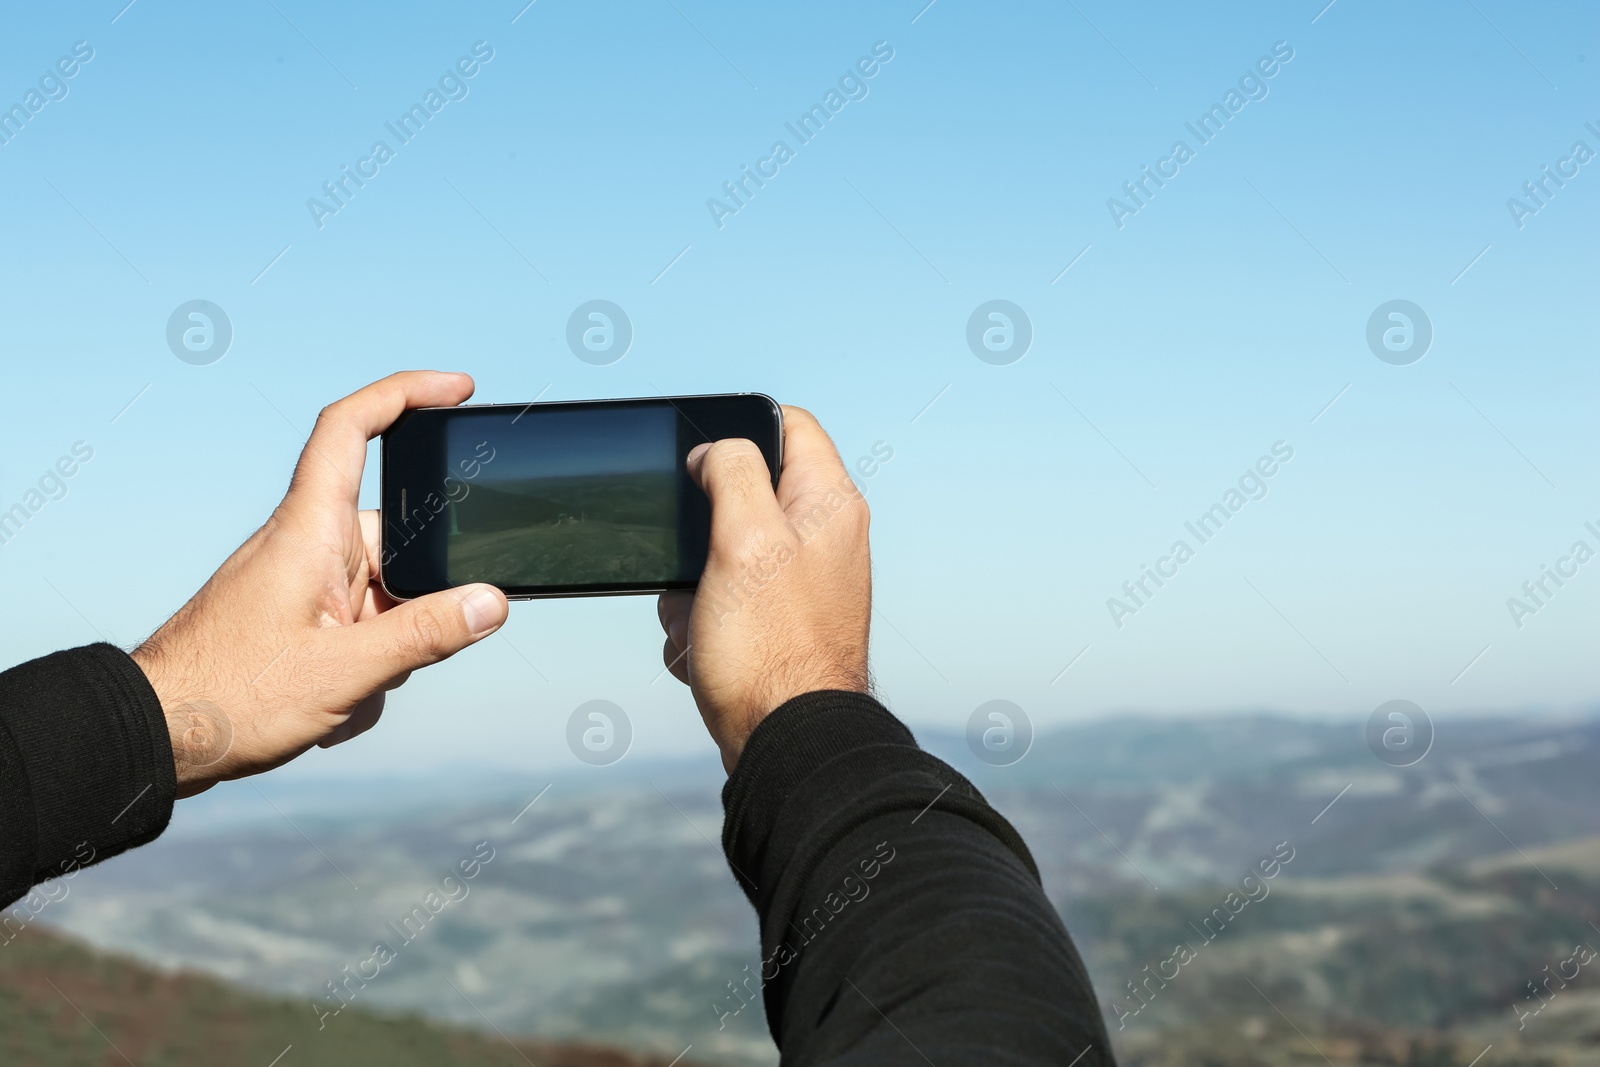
1432,968
1420,902
65,1005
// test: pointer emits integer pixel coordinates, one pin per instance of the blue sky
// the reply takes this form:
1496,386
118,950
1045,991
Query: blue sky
1168,355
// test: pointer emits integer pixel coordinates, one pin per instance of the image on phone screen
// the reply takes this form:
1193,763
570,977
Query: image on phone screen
574,497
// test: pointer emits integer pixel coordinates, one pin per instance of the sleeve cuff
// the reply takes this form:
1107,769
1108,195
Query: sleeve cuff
809,768
92,757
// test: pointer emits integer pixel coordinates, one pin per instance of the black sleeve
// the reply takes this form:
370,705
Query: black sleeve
85,765
902,919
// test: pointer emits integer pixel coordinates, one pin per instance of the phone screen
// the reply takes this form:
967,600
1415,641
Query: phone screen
574,498
557,499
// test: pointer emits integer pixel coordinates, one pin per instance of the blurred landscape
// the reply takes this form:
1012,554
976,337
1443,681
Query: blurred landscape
1414,914
63,1004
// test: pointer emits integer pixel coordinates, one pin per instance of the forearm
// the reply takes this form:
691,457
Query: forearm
86,767
902,917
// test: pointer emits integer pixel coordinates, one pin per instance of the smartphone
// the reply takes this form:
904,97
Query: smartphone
582,498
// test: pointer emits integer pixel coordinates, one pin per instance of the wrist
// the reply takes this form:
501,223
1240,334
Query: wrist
199,731
738,725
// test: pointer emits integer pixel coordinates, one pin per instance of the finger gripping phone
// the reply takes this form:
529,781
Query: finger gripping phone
582,498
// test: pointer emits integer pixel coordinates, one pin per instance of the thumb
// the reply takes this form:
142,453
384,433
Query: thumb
416,633
734,475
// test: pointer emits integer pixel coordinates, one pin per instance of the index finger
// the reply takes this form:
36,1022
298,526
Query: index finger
330,467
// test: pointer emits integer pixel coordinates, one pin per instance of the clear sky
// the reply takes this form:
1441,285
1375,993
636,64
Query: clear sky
1177,335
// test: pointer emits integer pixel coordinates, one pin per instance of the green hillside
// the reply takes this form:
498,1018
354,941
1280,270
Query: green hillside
64,1005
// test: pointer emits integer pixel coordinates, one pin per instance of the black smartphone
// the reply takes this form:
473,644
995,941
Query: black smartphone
582,498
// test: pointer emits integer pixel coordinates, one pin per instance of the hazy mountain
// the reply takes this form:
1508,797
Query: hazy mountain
1410,913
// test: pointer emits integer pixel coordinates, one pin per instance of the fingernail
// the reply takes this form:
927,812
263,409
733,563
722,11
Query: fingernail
678,630
698,450
481,609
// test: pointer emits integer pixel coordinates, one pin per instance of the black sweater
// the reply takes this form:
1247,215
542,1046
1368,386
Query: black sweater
902,921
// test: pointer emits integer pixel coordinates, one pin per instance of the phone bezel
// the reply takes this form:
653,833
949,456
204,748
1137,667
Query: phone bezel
631,590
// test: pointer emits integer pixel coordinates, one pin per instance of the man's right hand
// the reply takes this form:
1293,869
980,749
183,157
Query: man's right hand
785,603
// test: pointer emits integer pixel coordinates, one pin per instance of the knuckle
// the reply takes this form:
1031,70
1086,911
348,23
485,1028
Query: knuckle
849,499
424,634
751,548
859,514
730,450
735,461
330,420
